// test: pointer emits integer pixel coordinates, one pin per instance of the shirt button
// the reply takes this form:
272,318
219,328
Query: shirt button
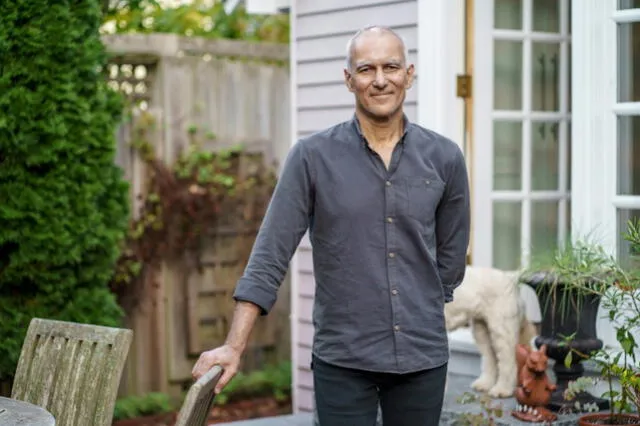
394,291
392,255
390,219
388,183
396,327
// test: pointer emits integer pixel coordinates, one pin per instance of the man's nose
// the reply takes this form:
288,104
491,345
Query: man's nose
380,80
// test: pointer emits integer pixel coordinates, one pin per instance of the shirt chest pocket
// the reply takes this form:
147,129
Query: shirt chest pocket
423,197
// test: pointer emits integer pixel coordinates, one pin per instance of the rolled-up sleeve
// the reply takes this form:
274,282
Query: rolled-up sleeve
453,223
285,222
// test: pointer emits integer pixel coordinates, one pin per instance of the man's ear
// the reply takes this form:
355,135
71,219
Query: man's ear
347,80
410,76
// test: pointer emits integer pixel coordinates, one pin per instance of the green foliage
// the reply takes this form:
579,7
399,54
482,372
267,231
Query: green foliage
112,6
588,269
272,381
619,293
63,202
200,18
489,411
143,405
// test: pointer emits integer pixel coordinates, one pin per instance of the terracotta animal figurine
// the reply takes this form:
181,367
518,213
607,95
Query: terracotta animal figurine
534,387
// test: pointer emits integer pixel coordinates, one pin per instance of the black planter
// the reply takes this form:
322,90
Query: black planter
578,315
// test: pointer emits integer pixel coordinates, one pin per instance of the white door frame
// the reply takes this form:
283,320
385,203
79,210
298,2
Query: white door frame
482,162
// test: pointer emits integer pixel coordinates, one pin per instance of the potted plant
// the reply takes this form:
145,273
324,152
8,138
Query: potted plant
564,281
619,367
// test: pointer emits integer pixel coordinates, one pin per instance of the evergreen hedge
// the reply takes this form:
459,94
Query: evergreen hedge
63,201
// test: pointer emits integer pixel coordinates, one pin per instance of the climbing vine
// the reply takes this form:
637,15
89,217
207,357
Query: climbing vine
184,206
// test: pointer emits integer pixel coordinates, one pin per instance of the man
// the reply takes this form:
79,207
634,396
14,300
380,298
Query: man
386,203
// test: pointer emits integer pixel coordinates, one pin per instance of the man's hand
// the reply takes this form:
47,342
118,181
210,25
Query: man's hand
226,357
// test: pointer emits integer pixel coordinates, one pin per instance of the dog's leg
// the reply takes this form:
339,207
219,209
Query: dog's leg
504,337
489,371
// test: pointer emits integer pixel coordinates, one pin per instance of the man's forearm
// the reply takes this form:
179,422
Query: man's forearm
453,223
244,317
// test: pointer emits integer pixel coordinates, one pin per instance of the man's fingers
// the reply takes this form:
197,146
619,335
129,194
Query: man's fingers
203,365
226,377
195,372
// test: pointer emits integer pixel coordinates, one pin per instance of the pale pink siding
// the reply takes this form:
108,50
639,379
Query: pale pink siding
322,30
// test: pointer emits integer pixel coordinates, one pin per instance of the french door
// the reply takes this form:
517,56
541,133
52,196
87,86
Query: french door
521,129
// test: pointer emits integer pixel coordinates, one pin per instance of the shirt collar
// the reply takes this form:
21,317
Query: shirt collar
356,126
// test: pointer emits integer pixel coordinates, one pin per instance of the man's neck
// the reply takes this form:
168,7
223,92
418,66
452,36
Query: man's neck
382,134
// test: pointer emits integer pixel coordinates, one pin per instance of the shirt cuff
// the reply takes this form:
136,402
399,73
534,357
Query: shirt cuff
248,290
448,297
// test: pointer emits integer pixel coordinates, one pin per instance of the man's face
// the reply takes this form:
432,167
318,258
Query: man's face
378,77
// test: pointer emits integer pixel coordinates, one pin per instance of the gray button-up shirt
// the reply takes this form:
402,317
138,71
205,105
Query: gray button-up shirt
389,245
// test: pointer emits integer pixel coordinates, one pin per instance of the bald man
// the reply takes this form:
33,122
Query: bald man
386,204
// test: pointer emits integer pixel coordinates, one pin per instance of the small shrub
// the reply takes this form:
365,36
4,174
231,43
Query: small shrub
272,381
143,405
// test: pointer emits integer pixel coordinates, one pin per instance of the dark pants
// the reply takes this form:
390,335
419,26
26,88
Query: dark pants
350,397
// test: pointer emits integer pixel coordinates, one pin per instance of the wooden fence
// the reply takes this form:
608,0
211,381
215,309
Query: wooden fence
239,92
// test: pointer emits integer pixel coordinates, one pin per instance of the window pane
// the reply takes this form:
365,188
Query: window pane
545,156
507,77
629,62
544,227
507,14
629,155
546,15
625,254
507,155
628,4
545,77
506,235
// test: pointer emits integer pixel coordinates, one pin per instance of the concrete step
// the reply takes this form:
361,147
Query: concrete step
464,358
303,419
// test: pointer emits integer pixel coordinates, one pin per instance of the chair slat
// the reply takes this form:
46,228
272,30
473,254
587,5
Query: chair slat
72,406
89,398
50,369
67,366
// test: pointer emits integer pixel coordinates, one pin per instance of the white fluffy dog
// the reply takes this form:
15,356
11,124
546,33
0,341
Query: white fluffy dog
489,301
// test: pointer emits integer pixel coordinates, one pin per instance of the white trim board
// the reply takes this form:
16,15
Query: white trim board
294,264
441,29
594,129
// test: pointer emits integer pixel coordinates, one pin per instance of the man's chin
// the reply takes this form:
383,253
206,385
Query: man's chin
382,114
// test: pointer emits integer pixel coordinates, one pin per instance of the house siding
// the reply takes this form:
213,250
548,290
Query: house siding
321,30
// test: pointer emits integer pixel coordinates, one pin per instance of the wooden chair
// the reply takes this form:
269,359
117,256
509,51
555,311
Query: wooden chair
197,405
72,370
